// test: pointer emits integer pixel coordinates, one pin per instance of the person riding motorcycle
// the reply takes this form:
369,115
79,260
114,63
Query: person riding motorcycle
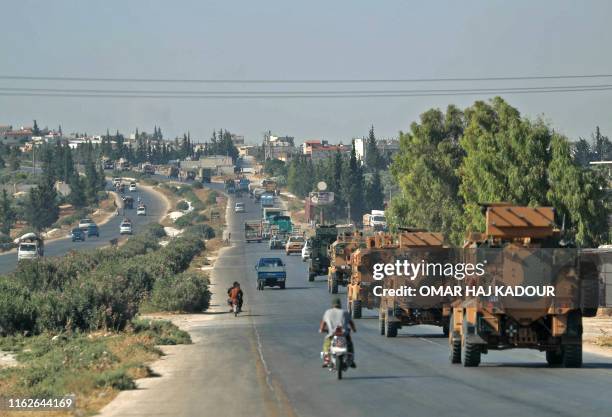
235,294
333,318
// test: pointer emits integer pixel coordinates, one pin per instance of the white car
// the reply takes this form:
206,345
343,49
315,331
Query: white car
85,223
141,210
306,251
133,186
27,250
125,228
239,208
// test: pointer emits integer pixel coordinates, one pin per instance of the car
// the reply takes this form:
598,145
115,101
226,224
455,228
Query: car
271,272
93,230
77,235
125,228
276,243
295,244
85,223
306,251
132,186
239,208
141,210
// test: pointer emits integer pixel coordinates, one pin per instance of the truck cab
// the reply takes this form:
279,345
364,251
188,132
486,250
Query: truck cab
271,272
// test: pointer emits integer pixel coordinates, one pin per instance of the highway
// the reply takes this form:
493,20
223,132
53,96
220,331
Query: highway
266,362
156,209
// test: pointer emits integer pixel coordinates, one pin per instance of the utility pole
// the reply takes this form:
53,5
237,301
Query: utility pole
348,212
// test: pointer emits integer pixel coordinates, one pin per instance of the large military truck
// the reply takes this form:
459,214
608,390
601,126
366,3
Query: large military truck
325,235
339,253
397,311
522,249
205,175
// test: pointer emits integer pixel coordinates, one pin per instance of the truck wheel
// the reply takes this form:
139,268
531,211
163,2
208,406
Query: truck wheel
381,323
455,350
572,356
311,276
356,309
445,328
282,286
554,357
470,352
390,327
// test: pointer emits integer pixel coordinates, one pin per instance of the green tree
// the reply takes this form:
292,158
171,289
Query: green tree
77,195
426,171
7,213
373,159
506,159
374,193
41,209
351,187
92,182
578,194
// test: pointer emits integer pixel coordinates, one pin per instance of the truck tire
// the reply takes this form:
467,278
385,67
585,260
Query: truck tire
390,327
445,328
356,309
282,286
381,323
454,347
572,356
572,353
311,276
554,357
470,352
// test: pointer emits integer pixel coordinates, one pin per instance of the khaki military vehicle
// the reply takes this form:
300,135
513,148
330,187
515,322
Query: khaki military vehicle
379,248
339,254
522,248
398,308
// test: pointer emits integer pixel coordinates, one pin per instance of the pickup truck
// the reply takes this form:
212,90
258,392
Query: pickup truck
271,272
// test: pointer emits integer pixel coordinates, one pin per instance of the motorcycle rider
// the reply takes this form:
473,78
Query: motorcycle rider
235,294
333,318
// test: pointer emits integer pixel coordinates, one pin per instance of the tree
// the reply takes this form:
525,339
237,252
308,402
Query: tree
77,195
582,152
374,194
91,182
578,194
41,209
373,159
426,171
352,187
506,159
7,213
35,129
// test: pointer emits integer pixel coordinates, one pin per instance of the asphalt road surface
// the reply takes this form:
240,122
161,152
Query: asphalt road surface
155,211
266,362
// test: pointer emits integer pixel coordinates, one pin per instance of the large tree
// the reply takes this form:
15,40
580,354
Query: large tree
7,213
41,209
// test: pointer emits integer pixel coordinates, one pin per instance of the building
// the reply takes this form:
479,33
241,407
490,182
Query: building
279,147
247,150
13,137
221,164
320,149
386,147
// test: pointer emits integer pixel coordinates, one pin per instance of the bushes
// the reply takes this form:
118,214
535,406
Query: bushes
163,332
182,205
197,185
96,289
203,231
212,198
186,292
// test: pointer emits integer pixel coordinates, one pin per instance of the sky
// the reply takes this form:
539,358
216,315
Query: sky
279,39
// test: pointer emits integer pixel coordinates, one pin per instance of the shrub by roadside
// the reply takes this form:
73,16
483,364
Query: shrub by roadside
186,292
94,367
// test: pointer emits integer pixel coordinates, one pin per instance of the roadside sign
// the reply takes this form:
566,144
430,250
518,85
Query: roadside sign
321,198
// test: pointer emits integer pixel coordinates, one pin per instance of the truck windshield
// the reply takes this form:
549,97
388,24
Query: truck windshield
27,247
270,262
378,218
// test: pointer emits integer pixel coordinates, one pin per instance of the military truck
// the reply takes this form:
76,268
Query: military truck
522,247
230,186
205,175
397,311
324,236
339,252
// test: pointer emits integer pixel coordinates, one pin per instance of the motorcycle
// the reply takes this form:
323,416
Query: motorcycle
235,307
338,359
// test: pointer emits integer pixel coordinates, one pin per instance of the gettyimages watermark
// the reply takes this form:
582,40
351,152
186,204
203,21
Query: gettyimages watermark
514,276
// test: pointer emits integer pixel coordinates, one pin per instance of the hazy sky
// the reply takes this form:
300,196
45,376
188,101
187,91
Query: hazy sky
312,39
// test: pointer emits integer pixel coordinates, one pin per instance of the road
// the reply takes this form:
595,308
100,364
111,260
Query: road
266,362
156,209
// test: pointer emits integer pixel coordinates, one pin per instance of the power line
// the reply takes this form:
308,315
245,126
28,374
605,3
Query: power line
303,95
300,81
302,92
